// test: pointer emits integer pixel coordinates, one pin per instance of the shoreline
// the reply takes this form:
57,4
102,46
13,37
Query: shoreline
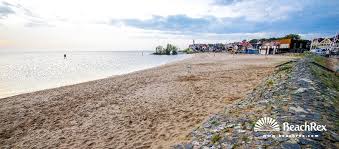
90,80
155,108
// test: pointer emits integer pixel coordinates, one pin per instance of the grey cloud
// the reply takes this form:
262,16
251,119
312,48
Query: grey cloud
178,24
5,10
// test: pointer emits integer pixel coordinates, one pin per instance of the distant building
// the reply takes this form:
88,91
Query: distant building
292,45
322,43
335,45
244,45
232,47
284,43
331,45
268,47
218,47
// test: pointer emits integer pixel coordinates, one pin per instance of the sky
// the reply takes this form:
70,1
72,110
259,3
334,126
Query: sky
120,25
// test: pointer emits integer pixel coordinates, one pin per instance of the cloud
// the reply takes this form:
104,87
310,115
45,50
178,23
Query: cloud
38,23
283,19
226,2
169,23
187,25
163,20
5,10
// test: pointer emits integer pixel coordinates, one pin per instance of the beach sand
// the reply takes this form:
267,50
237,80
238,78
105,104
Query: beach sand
154,108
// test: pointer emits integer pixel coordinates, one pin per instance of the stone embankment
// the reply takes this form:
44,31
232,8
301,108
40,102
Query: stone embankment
296,94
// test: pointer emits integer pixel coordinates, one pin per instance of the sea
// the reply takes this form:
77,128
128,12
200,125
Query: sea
23,72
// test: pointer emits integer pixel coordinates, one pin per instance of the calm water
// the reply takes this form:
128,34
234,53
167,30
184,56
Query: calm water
27,72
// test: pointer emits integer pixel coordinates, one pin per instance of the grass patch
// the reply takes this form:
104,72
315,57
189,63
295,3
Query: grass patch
316,58
235,146
287,67
246,139
215,138
320,60
326,77
215,122
270,83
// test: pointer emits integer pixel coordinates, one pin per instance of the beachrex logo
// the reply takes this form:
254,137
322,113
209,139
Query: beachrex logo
306,127
266,124
270,124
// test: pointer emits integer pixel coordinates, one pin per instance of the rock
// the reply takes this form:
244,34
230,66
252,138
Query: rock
300,90
314,116
298,109
290,146
226,145
267,143
178,146
334,136
188,146
281,139
310,143
303,141
207,125
237,127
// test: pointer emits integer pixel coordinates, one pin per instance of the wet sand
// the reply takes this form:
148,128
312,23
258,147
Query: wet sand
153,108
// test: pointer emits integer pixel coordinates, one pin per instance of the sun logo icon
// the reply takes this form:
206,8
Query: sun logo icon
266,124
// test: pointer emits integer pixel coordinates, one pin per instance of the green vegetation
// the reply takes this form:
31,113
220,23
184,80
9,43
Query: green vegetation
188,51
326,77
215,138
235,146
292,36
287,67
245,138
215,122
289,36
320,60
270,83
305,54
159,50
170,49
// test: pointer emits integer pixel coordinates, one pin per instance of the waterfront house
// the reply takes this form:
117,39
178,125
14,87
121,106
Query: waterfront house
232,47
325,44
218,47
329,44
292,45
268,47
244,45
322,43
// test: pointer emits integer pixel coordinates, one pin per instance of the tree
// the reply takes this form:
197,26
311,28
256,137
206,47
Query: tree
263,39
292,36
170,48
174,51
272,38
253,41
159,50
188,51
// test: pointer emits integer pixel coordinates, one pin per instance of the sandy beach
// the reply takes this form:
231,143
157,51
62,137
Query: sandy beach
152,108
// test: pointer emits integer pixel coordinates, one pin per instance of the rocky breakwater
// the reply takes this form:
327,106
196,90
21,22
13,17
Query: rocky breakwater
294,95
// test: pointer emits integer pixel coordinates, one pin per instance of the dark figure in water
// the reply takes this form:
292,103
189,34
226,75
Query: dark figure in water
64,56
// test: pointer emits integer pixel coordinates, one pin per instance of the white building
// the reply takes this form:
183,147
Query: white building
268,48
325,43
